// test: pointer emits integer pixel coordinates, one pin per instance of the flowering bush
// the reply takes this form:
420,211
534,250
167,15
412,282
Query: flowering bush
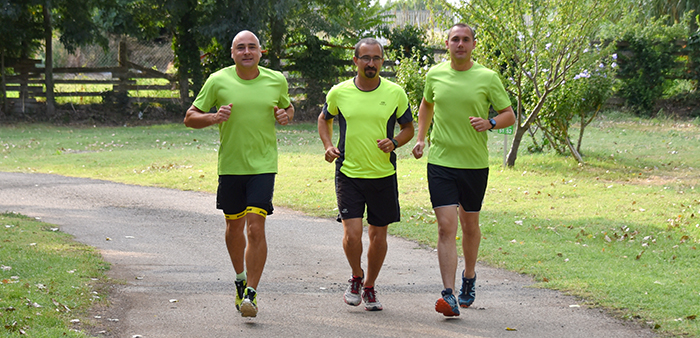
580,98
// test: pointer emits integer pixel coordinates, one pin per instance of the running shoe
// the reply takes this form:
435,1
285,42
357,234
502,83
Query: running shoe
467,293
447,305
240,290
249,305
352,293
370,298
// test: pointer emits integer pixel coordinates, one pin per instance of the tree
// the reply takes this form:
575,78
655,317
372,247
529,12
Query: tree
535,45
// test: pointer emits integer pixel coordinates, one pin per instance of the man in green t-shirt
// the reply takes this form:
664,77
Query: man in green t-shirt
368,107
456,99
250,98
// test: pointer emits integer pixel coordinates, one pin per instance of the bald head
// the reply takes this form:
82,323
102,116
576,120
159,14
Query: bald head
242,34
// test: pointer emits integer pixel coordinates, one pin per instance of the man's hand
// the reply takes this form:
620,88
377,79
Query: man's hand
418,149
223,114
281,116
331,154
480,124
385,145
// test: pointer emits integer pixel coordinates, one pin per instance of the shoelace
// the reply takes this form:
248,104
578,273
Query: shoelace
355,284
371,297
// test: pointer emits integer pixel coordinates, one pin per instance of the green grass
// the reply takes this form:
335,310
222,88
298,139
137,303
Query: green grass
46,280
623,230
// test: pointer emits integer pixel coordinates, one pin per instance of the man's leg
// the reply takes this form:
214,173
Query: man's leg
375,253
236,242
471,238
256,252
447,245
352,244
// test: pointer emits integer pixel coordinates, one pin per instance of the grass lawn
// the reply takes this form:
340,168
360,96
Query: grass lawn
47,281
622,231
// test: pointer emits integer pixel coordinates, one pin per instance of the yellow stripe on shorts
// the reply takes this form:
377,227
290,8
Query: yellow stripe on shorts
257,211
236,216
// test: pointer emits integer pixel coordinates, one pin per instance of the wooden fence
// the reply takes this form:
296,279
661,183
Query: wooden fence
29,81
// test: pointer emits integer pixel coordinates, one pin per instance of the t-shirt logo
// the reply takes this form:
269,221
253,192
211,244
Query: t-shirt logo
382,103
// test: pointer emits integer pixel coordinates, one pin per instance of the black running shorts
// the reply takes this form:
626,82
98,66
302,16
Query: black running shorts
380,195
450,186
238,193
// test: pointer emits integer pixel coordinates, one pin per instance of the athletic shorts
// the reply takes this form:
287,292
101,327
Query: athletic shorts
238,195
451,186
380,195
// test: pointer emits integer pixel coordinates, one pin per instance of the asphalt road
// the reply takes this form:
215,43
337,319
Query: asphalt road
168,245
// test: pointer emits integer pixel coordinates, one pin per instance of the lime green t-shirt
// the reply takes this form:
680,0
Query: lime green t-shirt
248,138
364,118
457,95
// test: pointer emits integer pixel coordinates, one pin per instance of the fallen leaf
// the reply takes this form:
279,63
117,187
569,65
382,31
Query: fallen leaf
691,317
510,329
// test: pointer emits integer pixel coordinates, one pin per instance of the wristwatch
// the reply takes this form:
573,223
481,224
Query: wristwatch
493,123
395,142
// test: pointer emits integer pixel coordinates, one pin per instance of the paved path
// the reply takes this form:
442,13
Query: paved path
168,244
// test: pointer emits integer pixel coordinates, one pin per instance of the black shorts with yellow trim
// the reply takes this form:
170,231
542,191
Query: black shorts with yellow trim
239,195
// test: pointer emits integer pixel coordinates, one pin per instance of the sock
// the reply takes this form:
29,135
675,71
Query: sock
241,276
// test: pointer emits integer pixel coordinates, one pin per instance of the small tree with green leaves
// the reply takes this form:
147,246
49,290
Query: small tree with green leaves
534,45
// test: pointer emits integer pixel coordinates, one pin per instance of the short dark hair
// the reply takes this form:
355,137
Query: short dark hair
367,41
461,25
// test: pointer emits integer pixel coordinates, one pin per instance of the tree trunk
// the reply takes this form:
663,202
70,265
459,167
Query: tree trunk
521,129
277,31
48,62
576,154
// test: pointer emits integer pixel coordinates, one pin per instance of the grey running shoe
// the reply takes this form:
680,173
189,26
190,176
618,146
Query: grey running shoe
249,306
352,293
370,298
467,293
447,305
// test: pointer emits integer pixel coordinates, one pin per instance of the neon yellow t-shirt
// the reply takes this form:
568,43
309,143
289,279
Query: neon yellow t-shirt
457,95
364,118
248,138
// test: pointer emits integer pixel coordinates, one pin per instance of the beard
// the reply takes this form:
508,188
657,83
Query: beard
371,72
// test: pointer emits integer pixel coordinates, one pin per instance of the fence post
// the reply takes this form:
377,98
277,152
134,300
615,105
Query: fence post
123,67
48,62
184,90
4,85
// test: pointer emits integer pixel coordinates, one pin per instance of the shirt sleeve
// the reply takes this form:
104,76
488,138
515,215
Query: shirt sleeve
284,101
330,108
497,94
403,113
428,89
205,101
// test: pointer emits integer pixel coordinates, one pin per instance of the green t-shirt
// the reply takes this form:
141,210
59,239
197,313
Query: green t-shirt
457,95
248,138
364,118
